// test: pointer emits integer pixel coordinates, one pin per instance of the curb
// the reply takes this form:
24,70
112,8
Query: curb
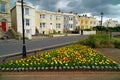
34,51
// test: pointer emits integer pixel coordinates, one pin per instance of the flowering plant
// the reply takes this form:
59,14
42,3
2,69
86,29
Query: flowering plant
70,57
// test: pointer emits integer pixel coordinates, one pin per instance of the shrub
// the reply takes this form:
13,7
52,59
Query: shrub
99,40
117,44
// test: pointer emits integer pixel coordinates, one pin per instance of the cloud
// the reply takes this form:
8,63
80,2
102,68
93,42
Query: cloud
63,5
110,8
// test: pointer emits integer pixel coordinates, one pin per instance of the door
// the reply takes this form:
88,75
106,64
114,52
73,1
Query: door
3,26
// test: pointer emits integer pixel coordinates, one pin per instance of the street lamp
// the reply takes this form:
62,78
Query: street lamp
101,17
24,46
101,20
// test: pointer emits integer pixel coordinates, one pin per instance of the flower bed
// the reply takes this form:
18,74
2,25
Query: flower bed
67,58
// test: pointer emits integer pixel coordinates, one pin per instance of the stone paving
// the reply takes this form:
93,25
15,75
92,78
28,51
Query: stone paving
112,53
60,75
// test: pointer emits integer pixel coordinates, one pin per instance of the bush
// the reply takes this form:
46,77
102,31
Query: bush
99,40
117,44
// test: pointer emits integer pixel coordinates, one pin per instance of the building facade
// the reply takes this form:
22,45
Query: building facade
93,22
71,22
29,19
84,22
49,22
88,22
111,23
5,16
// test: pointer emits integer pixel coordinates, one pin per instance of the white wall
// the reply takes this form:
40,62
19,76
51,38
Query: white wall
89,32
31,16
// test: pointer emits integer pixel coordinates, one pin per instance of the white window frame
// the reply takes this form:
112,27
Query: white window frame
27,11
42,16
27,31
58,25
1,9
58,17
51,17
71,18
42,25
27,22
70,25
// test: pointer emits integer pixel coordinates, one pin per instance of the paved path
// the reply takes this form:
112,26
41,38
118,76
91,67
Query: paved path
75,75
112,53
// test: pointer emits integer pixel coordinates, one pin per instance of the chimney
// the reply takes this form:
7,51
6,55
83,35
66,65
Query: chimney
59,10
70,12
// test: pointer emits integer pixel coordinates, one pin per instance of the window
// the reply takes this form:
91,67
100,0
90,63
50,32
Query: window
42,16
27,22
70,18
70,25
65,18
58,25
42,25
86,22
28,30
26,11
51,17
66,26
94,23
3,8
90,22
57,17
81,21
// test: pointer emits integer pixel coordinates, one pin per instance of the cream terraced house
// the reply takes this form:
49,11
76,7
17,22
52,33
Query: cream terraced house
93,22
71,22
49,22
29,19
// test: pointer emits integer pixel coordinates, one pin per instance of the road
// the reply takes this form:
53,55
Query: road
15,46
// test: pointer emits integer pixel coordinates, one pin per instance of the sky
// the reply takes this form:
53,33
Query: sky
110,8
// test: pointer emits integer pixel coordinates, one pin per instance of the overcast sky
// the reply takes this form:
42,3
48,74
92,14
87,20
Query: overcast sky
110,8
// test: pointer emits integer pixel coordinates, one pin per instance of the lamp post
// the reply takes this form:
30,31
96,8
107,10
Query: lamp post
24,46
101,20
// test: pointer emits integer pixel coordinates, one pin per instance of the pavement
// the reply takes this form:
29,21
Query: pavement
69,75
112,53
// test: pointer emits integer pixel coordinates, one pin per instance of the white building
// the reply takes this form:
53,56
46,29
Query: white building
111,23
29,19
93,22
71,21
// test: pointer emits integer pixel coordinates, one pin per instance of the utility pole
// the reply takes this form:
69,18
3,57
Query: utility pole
24,46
